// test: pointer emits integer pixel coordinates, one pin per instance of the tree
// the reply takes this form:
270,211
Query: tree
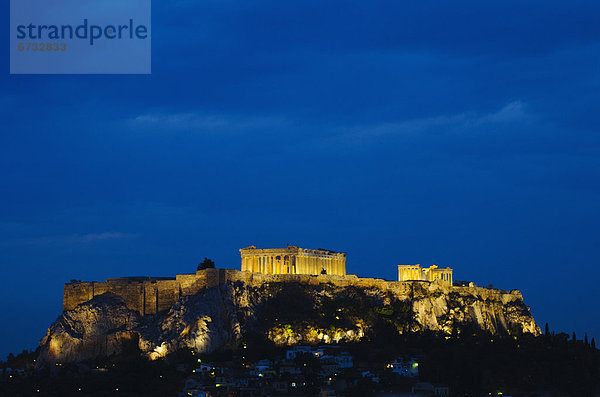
585,340
593,344
574,338
206,264
547,330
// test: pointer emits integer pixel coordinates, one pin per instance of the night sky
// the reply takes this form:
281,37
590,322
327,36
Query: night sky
463,134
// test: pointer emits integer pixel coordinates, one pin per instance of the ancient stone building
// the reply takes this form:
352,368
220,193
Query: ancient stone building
293,260
418,273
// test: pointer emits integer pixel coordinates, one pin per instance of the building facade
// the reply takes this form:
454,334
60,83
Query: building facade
418,273
293,260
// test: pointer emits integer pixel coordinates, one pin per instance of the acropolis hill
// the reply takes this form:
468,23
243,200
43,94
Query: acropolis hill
215,308
150,295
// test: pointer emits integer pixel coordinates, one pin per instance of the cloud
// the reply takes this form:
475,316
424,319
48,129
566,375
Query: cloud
200,122
513,112
73,239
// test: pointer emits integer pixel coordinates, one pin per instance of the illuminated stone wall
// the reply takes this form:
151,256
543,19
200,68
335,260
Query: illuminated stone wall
144,294
151,295
418,273
293,260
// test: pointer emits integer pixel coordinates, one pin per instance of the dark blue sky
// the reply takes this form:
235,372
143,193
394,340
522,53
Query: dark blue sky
464,134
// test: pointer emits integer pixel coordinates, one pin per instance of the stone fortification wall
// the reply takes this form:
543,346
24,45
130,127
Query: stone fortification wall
143,294
151,295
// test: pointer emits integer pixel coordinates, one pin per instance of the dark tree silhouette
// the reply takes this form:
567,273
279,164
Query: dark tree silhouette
585,340
547,330
593,344
206,264
574,337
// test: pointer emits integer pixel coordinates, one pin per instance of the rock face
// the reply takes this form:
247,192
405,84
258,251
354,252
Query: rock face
285,313
102,326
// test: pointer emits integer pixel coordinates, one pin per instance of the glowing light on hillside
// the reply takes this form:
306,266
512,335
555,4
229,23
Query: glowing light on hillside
159,351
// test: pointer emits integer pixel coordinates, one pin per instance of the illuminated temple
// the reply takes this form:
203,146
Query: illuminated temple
418,273
293,260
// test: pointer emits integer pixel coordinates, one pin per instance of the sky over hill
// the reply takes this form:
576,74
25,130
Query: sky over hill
463,134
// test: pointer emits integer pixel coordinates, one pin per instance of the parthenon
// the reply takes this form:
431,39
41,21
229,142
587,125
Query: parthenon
417,273
293,260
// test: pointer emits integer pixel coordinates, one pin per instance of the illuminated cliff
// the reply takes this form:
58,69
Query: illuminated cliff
285,309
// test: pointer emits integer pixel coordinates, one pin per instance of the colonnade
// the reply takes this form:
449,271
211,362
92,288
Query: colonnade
293,260
416,272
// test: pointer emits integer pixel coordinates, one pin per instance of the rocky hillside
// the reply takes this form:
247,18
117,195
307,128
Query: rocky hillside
285,313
